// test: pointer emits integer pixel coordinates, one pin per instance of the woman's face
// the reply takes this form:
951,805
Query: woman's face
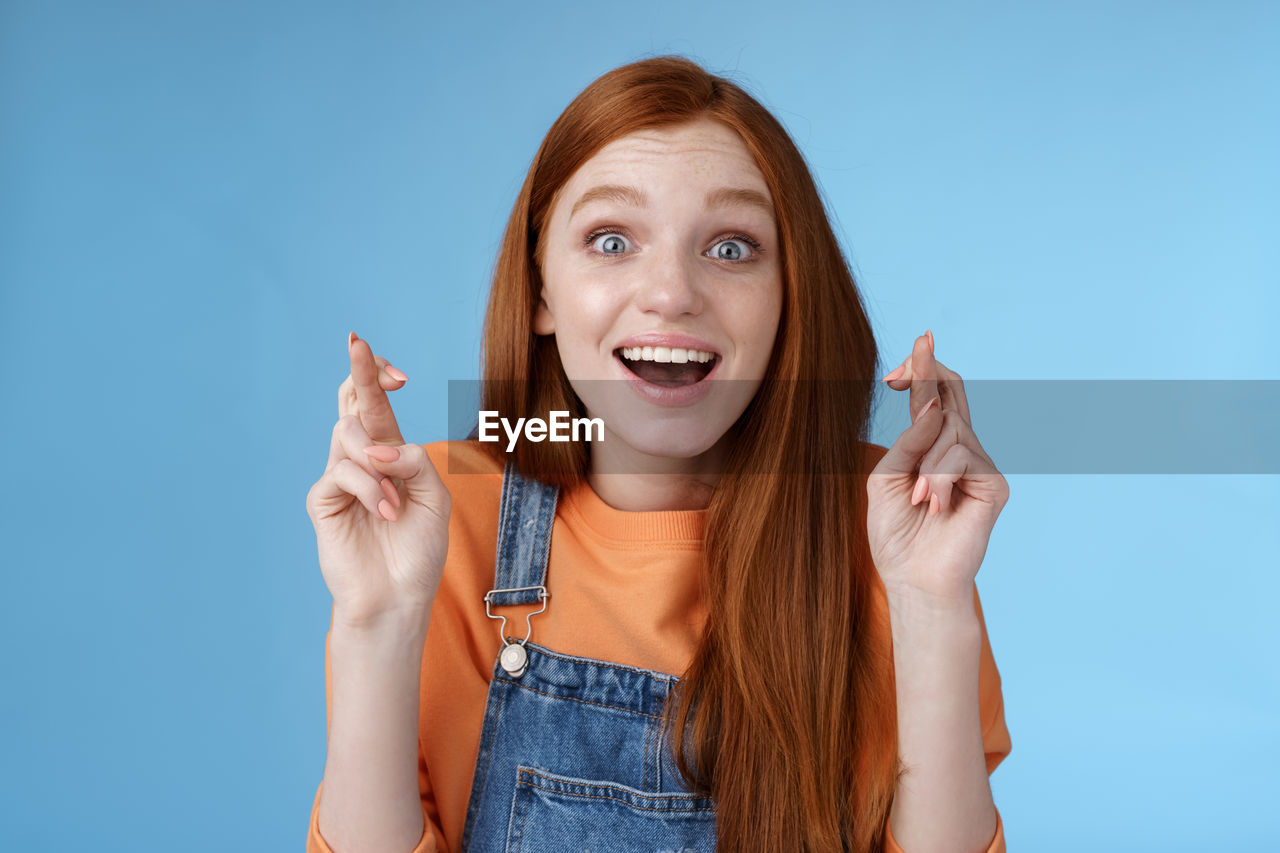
663,287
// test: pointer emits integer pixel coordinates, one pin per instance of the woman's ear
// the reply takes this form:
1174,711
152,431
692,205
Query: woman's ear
543,321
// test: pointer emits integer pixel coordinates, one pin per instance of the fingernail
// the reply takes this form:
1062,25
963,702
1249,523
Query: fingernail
385,510
929,334
895,373
389,489
927,406
922,486
935,504
395,373
382,452
351,341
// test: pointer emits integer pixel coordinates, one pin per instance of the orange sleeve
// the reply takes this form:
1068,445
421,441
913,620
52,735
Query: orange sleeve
995,735
432,840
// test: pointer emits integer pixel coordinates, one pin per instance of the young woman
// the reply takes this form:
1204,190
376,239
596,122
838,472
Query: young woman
733,624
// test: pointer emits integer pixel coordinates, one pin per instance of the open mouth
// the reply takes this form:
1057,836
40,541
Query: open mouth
667,367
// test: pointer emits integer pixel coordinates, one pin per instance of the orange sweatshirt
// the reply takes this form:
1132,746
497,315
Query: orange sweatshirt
623,587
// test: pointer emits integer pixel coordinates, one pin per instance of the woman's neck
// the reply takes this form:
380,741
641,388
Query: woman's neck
629,480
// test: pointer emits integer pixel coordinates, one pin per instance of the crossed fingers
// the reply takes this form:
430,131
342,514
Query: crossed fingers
956,453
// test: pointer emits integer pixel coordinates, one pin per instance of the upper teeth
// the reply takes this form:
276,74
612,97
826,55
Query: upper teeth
675,355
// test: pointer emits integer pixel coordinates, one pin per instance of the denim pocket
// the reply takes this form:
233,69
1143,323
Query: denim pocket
554,814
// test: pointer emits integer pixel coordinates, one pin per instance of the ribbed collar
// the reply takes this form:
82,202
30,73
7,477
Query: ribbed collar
661,526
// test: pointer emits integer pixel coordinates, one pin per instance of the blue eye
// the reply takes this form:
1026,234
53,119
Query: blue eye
729,250
611,244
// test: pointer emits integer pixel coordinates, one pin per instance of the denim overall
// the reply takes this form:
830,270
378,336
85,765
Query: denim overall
572,755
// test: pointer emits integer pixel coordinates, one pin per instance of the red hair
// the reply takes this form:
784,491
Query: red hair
788,707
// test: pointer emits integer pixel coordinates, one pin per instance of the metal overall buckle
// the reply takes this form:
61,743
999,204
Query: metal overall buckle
513,657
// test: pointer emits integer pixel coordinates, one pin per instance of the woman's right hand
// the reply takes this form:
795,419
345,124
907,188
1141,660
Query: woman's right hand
381,517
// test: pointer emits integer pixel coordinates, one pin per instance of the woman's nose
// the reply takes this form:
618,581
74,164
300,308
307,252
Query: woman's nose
668,286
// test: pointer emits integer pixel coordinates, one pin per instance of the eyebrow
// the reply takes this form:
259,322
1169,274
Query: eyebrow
632,197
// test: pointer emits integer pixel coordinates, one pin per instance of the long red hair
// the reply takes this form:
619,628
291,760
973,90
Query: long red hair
787,711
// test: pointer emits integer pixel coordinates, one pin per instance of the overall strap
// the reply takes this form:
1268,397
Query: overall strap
525,518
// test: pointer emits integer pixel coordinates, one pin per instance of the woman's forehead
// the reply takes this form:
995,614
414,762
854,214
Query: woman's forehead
706,155
698,146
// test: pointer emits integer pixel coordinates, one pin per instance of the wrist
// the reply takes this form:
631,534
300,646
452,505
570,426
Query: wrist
386,627
908,596
920,613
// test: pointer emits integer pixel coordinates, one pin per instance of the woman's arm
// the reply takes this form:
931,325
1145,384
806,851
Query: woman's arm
934,498
369,799
943,801
381,514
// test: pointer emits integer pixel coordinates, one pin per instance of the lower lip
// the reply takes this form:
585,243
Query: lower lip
683,396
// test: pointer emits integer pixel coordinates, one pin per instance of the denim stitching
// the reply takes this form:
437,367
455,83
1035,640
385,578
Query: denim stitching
558,790
657,744
572,699
523,814
606,664
542,536
648,738
502,697
504,525
512,531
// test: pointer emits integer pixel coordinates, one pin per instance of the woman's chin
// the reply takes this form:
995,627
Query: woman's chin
658,441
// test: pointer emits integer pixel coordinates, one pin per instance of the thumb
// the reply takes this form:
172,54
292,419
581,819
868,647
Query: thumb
409,463
905,454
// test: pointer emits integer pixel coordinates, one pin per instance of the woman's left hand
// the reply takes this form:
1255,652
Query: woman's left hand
935,496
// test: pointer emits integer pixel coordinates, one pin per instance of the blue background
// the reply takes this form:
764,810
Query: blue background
199,201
